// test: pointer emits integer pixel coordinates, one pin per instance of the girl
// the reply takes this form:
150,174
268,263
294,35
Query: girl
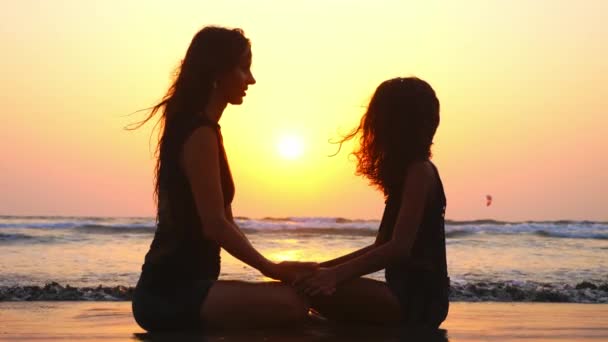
396,137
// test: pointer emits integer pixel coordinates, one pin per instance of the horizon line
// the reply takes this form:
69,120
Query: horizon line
286,218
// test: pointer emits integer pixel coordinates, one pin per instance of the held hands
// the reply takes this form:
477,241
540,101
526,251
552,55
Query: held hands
323,281
291,271
307,277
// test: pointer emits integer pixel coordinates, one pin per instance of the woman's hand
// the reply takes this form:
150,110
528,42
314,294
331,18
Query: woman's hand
323,281
291,271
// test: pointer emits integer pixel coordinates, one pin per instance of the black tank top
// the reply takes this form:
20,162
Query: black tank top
428,255
179,251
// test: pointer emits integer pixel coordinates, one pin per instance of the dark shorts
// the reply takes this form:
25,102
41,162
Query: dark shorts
172,307
424,302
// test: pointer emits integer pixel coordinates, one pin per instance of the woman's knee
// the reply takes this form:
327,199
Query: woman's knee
252,303
290,307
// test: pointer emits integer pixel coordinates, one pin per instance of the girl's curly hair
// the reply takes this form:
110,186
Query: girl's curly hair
396,130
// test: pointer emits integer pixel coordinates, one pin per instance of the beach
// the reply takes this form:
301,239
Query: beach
112,321
66,278
100,258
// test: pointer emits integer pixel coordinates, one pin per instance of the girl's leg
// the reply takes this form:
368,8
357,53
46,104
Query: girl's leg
243,304
360,300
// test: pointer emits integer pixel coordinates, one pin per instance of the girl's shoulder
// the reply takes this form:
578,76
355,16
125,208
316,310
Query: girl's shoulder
422,173
421,168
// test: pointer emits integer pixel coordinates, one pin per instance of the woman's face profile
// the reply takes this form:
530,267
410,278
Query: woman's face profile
234,83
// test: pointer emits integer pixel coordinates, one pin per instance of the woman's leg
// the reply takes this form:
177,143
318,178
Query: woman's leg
238,304
360,300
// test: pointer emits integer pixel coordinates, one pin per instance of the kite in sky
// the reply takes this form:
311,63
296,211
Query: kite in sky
488,200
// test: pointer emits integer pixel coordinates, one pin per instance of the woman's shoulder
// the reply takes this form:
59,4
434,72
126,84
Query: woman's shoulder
198,127
201,136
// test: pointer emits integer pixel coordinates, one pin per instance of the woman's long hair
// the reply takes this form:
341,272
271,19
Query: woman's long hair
212,52
396,130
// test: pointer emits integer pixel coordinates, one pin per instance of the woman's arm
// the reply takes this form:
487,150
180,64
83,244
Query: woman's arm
418,181
230,218
201,165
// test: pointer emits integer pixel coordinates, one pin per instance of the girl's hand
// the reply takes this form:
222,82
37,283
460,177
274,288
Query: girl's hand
323,281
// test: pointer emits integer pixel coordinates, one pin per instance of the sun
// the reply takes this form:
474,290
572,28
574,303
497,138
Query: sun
290,147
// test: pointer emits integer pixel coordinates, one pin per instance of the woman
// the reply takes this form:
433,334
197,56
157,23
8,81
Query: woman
178,288
396,137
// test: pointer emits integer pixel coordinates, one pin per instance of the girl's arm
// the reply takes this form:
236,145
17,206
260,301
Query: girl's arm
419,179
347,257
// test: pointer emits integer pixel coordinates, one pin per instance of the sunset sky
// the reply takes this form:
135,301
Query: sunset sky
522,86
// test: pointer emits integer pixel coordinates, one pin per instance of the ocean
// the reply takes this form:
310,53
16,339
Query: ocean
99,258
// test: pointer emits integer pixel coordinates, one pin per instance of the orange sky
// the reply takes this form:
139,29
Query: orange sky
522,88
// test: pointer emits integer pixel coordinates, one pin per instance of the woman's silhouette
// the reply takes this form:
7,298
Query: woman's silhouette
178,287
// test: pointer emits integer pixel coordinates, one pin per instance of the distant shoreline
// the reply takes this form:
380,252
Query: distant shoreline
338,219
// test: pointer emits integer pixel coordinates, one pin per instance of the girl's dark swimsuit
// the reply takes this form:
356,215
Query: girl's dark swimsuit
421,284
181,265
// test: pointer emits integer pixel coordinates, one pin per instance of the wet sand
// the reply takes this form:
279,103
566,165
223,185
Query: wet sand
112,321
